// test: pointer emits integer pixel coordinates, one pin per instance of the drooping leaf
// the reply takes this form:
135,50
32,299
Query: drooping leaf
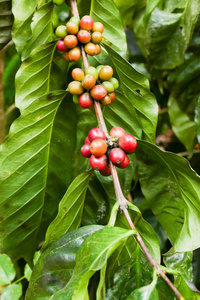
6,22
23,13
172,189
41,28
55,266
135,87
12,292
36,170
7,270
70,209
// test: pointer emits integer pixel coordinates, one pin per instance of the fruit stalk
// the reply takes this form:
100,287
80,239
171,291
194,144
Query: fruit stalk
118,191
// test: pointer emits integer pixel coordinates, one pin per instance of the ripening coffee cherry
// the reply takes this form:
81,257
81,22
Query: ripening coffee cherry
96,133
99,68
61,31
92,71
98,147
106,171
72,27
75,88
61,46
98,26
98,92
86,23
85,100
75,20
125,163
88,81
91,49
106,100
66,56
85,150
86,140
117,132
115,82
98,163
77,74
112,96
98,47
96,37
105,73
117,156
70,41
108,85
84,36
59,2
128,143
75,54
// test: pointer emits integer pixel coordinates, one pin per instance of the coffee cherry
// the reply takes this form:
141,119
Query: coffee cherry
108,85
106,171
72,27
75,54
117,156
86,23
98,92
112,96
66,56
70,41
117,132
75,20
75,88
115,82
124,164
128,143
61,31
85,150
84,36
91,49
98,163
105,73
86,140
98,47
96,37
99,68
96,133
106,100
98,147
92,71
88,81
85,100
98,26
59,2
77,74
61,46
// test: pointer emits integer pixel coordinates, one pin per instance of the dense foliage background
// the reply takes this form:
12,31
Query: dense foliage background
46,190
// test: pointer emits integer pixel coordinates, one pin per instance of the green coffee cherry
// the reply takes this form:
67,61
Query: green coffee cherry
75,20
59,2
92,71
61,31
99,68
109,86
115,82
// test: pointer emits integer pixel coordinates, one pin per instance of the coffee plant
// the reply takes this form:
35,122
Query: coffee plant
99,155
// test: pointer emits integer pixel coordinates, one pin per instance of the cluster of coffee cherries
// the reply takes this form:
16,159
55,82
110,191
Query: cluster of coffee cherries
95,83
79,32
115,149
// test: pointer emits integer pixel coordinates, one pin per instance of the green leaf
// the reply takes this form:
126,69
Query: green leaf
172,189
27,269
55,266
12,292
197,119
35,167
92,256
7,270
6,22
135,87
23,14
70,209
41,27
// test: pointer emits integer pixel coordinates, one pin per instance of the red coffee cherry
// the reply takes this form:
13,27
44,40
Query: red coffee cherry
61,46
86,140
124,164
88,81
106,100
117,156
72,27
77,74
85,100
70,41
91,49
75,88
96,37
98,26
98,147
106,172
112,96
105,73
98,92
98,163
128,143
86,23
117,132
96,133
84,36
98,47
85,150
74,54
